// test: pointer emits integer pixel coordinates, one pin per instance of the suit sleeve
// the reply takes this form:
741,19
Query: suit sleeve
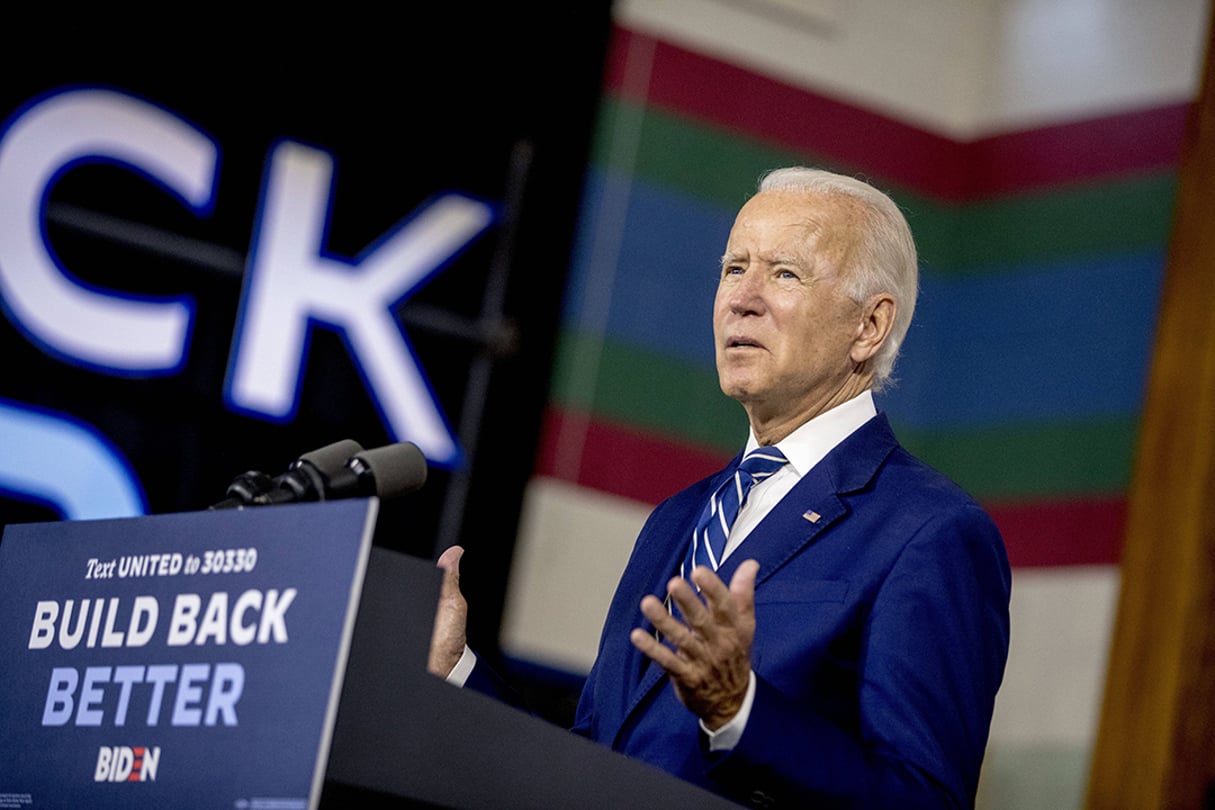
932,654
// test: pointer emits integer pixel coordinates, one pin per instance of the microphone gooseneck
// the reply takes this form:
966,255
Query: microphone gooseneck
304,475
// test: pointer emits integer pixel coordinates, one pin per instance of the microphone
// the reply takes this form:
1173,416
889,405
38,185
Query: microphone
306,474
385,472
389,471
310,473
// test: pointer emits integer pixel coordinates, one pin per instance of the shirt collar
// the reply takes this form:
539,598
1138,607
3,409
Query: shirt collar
807,445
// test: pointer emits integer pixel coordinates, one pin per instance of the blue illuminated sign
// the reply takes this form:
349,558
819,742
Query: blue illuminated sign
292,282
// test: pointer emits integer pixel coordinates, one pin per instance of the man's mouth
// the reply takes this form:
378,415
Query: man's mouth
738,342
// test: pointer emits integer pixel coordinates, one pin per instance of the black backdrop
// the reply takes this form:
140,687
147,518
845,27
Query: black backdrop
498,104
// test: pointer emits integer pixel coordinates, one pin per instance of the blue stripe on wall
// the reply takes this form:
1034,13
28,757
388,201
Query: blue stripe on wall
666,260
1030,344
1068,340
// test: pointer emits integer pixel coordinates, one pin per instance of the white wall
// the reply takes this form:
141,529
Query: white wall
961,68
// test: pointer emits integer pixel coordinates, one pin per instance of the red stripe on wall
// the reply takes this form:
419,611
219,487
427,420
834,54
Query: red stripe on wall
619,460
725,95
647,468
1063,532
1131,142
858,139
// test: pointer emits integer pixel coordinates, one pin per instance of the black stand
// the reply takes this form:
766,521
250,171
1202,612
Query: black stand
405,739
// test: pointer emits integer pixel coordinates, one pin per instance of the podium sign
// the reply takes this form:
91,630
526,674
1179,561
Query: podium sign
187,660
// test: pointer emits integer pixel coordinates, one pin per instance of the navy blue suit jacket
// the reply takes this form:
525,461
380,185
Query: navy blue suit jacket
881,638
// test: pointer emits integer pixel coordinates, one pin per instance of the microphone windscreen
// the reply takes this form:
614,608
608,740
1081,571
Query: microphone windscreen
396,468
332,457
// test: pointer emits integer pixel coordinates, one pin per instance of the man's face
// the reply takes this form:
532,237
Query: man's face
783,324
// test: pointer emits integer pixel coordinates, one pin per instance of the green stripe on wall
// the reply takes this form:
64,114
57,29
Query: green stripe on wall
716,164
1092,457
674,151
656,394
1113,216
660,395
1125,215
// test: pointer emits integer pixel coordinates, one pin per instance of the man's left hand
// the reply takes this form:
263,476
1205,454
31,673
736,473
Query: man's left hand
709,660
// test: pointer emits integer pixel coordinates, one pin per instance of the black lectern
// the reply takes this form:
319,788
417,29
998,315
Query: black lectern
405,739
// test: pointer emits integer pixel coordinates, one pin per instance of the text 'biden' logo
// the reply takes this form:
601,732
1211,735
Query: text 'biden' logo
123,763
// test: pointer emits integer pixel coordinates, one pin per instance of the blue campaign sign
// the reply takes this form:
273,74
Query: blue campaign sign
189,660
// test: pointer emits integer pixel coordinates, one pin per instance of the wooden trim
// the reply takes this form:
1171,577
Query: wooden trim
1155,746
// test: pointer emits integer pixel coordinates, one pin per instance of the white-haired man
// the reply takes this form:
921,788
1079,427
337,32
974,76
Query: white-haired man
854,657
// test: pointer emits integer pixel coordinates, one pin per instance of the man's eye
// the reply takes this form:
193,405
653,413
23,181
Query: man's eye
786,274
732,270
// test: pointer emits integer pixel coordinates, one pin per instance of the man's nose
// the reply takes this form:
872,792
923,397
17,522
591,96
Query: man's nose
746,294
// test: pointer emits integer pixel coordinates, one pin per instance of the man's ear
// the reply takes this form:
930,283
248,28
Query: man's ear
877,319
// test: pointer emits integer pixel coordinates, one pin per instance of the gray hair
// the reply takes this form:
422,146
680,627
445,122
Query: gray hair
884,259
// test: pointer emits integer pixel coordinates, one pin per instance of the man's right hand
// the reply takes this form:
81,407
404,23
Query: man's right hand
448,640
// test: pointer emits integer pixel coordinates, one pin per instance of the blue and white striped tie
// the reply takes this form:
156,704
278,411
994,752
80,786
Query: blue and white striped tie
709,539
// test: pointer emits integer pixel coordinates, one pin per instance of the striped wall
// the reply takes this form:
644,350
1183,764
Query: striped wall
1023,373
1042,251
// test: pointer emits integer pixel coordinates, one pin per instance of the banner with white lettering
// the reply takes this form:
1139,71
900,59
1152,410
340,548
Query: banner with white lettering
186,660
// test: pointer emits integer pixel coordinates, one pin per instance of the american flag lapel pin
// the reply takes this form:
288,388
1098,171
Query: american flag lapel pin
811,515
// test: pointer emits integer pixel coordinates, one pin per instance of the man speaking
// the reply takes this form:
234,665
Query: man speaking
854,656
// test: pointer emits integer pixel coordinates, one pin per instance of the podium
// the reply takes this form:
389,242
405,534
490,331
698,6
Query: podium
270,658
403,738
